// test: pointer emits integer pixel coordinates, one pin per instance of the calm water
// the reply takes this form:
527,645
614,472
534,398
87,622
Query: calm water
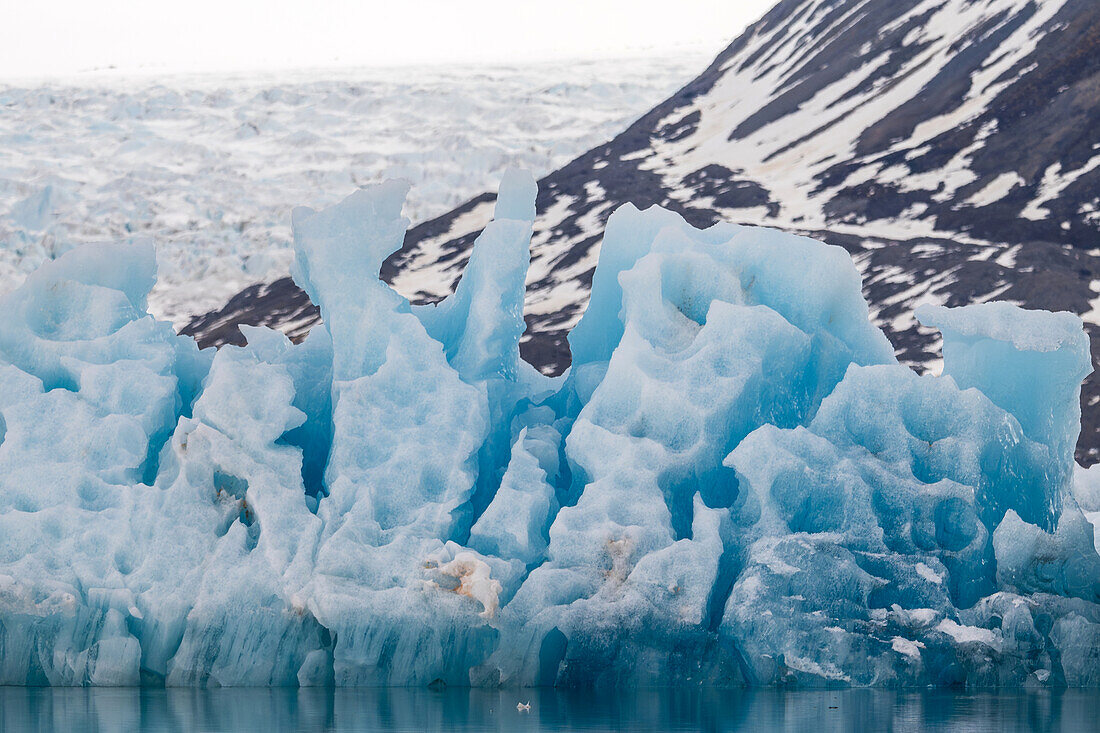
267,711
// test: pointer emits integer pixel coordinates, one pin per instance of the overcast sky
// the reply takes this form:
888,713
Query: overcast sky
62,37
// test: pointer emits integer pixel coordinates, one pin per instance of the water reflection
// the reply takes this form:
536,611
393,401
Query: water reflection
269,710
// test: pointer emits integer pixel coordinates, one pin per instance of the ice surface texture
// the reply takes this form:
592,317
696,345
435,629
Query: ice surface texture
736,483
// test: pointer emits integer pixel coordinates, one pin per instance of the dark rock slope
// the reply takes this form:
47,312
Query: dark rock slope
951,146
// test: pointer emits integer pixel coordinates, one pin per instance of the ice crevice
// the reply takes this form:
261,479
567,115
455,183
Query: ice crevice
734,484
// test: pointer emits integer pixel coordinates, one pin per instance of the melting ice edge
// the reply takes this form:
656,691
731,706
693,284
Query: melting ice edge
735,483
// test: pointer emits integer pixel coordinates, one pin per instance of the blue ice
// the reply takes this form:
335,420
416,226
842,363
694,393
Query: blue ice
736,483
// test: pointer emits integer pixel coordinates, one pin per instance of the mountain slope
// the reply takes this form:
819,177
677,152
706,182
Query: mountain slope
951,146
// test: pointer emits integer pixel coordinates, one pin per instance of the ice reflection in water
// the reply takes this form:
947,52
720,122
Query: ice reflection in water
270,710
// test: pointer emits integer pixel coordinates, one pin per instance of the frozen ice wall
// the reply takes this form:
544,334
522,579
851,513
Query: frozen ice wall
736,483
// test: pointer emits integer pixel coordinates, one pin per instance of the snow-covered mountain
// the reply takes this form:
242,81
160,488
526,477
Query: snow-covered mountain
951,146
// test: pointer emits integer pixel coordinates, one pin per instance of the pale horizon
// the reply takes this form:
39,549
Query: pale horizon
64,38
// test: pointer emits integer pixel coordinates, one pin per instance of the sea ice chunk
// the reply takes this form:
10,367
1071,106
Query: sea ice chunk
736,482
1030,363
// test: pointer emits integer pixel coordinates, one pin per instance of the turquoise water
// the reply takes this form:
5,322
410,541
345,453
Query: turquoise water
123,710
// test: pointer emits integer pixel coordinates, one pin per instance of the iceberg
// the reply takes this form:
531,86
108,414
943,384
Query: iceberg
736,482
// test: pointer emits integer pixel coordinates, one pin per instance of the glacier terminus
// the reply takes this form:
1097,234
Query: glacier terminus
735,483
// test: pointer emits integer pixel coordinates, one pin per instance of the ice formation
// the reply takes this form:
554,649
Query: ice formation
736,482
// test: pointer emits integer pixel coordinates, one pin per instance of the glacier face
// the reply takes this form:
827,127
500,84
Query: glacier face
736,482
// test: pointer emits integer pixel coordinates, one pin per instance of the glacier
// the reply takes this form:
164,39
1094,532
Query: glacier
259,139
736,482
